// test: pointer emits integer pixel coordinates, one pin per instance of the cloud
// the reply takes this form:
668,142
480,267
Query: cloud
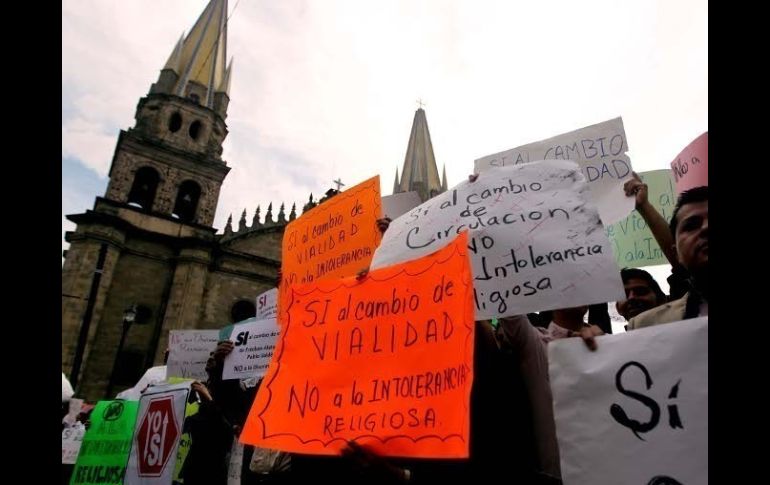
88,142
322,90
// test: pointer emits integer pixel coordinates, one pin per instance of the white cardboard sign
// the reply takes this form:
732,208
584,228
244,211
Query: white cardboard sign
254,345
599,149
635,410
188,352
267,306
536,242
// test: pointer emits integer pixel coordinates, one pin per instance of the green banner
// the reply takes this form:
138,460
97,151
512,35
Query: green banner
106,445
632,242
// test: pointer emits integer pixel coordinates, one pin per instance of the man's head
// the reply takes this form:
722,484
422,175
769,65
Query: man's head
642,293
689,228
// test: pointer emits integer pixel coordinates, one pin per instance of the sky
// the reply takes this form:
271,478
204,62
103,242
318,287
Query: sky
328,89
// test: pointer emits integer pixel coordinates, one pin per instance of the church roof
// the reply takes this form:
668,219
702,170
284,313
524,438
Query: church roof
420,172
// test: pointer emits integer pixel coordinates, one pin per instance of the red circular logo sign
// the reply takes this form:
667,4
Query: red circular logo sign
157,435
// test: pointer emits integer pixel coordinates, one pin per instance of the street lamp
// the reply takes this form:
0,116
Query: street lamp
129,317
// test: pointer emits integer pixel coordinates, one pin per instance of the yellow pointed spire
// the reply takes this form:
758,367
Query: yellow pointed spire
173,60
224,86
420,172
201,59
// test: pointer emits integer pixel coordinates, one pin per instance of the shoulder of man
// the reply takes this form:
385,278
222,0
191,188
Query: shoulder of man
666,313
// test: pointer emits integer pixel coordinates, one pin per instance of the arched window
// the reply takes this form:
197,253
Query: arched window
195,129
175,122
187,201
143,190
242,310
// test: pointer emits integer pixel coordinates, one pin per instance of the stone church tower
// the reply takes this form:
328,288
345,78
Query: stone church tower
148,244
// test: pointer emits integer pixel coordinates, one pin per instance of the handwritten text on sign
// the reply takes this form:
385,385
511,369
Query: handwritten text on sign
535,242
188,352
643,413
336,238
159,426
386,362
105,447
266,304
691,167
598,149
254,346
632,241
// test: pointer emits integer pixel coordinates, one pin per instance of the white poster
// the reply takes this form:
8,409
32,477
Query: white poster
71,439
159,425
599,149
254,345
535,242
236,464
636,410
267,306
395,205
188,352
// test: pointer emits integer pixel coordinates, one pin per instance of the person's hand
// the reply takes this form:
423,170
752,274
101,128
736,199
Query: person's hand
224,347
383,224
472,177
372,465
202,391
588,334
635,187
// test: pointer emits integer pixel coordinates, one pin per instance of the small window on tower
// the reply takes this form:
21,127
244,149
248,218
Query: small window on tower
187,201
143,190
195,129
175,122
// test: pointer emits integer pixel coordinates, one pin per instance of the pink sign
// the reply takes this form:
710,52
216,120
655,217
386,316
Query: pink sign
691,166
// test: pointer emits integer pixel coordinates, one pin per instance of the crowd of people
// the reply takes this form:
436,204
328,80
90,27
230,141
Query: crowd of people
512,431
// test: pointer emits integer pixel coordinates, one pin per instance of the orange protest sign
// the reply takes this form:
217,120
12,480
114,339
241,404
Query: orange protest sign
386,361
336,238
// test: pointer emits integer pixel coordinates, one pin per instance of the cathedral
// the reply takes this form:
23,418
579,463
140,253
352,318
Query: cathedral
146,258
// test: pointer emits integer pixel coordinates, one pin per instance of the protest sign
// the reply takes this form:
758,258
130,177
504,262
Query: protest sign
188,352
600,151
386,361
266,304
254,344
632,241
636,409
691,167
336,238
159,427
105,447
535,240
